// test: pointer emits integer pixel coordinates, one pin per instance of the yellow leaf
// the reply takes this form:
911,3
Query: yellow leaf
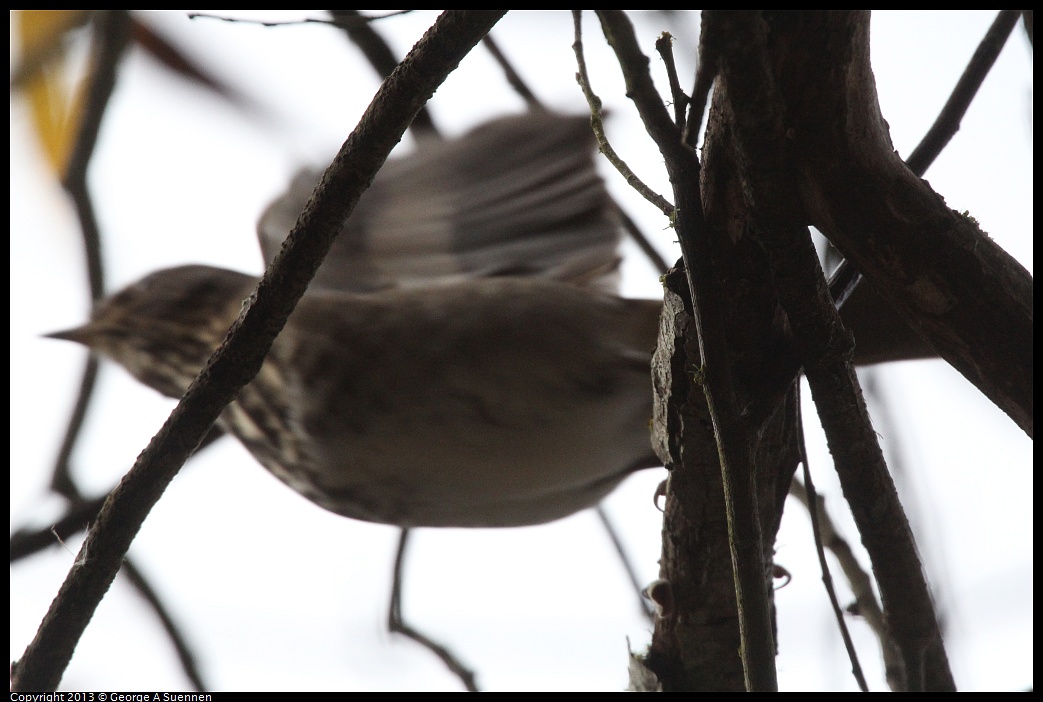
56,108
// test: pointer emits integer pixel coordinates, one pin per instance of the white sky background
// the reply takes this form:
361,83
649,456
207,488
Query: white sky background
275,593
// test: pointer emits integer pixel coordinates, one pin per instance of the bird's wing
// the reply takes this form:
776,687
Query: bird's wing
518,196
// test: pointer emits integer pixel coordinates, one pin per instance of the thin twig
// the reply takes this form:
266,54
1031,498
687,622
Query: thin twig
61,475
705,74
866,604
78,517
184,652
807,495
617,543
665,47
176,59
342,22
111,32
642,242
514,78
598,126
381,58
948,121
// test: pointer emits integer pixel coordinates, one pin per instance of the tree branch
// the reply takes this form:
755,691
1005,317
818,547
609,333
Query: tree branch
598,126
948,121
969,299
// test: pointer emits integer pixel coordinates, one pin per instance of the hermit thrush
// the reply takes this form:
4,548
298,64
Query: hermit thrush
458,360
476,377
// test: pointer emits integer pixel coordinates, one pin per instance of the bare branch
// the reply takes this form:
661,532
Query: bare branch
821,532
948,121
353,20
599,128
665,48
969,299
514,79
380,56
866,604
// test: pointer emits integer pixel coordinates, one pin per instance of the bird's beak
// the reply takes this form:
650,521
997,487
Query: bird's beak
81,335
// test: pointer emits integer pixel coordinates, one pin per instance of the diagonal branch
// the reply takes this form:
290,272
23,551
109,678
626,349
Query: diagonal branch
401,96
948,121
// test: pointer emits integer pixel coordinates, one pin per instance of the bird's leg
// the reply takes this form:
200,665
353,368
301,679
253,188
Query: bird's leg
396,624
